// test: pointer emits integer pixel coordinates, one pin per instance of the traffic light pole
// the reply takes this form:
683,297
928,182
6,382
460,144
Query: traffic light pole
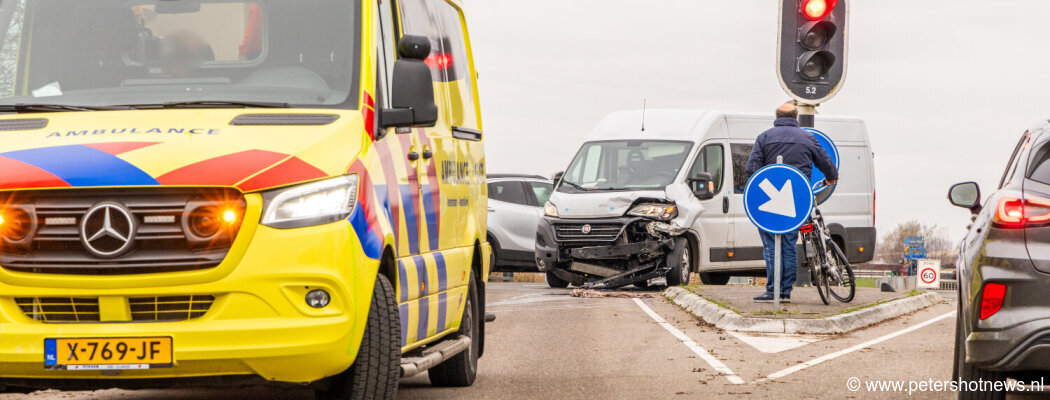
807,115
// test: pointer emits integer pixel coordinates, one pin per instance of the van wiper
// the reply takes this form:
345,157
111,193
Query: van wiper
217,104
35,108
578,187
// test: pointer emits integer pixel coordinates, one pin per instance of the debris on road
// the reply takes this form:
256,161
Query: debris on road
591,293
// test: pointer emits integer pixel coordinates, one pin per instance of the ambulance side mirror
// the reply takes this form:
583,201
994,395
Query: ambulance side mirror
412,91
702,186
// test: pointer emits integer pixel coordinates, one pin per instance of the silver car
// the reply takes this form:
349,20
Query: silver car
515,208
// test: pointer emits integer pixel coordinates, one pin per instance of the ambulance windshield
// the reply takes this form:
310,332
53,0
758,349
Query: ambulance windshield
98,53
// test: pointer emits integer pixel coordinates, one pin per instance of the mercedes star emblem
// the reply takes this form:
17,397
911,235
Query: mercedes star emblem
107,230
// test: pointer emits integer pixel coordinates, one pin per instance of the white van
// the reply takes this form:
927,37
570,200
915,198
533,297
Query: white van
635,203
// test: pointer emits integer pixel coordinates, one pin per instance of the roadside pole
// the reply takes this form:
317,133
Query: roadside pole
776,262
807,118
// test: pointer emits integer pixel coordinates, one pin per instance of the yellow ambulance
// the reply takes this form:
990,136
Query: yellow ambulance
228,190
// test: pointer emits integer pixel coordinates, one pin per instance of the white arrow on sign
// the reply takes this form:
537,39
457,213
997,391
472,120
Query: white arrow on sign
781,202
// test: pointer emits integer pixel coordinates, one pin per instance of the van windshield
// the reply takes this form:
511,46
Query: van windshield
98,53
625,165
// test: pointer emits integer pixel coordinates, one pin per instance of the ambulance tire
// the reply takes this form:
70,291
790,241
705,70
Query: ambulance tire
555,282
462,368
375,373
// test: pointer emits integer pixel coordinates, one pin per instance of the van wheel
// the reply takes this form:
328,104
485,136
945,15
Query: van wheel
494,257
462,369
714,278
680,260
377,369
970,373
555,282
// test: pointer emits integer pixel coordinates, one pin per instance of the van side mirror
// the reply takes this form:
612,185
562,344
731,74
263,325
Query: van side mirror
702,185
412,91
966,195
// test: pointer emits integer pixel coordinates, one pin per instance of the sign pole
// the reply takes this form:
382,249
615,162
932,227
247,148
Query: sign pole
776,262
776,274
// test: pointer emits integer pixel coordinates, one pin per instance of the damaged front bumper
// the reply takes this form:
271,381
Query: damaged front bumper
605,253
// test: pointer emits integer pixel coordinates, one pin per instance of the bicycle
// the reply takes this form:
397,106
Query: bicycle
832,274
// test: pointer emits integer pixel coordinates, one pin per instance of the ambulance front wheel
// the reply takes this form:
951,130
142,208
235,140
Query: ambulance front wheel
377,369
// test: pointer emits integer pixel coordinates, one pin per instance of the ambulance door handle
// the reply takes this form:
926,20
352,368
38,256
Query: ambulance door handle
725,205
427,154
413,156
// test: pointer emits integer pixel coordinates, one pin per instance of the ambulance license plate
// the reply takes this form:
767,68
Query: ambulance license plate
108,353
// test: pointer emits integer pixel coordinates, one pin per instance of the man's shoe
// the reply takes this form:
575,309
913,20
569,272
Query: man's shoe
785,298
764,298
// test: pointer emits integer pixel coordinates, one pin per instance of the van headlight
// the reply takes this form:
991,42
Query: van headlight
310,204
663,212
550,210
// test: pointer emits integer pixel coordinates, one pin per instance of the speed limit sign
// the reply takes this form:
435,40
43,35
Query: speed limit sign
929,274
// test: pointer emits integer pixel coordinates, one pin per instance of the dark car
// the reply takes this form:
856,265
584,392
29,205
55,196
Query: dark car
1003,328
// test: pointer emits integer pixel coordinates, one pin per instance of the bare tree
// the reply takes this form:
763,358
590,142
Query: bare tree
938,246
10,47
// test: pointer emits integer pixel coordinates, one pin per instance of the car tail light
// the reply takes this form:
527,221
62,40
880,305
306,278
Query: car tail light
1016,212
992,299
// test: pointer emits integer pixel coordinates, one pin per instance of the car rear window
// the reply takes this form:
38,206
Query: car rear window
508,192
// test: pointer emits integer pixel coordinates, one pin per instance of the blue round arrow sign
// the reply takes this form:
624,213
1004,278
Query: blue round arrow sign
833,151
778,199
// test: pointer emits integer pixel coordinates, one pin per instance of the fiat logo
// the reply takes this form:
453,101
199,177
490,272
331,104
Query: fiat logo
586,230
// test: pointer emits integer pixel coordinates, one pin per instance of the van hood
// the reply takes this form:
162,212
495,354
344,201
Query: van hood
599,204
192,147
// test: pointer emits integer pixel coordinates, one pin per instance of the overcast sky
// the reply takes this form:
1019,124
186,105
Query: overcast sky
946,86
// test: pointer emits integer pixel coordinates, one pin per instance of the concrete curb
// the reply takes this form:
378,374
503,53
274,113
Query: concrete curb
731,321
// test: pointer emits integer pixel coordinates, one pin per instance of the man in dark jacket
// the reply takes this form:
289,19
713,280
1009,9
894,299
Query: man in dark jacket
800,150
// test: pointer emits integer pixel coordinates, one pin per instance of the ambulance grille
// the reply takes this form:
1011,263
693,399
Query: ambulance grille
161,241
597,233
169,308
59,309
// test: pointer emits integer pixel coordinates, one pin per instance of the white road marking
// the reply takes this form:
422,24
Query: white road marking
774,342
787,371
700,351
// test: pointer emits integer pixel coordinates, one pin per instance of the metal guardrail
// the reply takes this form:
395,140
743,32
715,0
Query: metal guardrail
870,274
952,285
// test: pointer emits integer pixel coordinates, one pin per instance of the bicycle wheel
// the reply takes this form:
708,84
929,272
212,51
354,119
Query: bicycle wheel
816,264
840,280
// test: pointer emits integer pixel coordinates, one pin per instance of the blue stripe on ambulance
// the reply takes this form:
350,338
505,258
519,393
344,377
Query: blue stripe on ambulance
371,243
432,220
411,222
84,166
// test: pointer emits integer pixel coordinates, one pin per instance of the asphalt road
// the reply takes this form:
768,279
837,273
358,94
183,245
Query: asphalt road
547,344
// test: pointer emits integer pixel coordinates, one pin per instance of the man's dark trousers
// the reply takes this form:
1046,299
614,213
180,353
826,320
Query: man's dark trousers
788,260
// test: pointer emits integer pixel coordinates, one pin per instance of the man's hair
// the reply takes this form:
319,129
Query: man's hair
787,110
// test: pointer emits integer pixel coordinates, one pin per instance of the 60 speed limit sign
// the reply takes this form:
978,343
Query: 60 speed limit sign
929,274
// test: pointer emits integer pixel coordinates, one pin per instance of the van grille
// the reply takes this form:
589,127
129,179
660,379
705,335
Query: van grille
59,309
163,241
598,232
169,308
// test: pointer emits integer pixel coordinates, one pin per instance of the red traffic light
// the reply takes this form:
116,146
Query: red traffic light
817,9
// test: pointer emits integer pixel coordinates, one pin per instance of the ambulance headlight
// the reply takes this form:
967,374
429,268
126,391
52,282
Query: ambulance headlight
310,204
663,212
550,210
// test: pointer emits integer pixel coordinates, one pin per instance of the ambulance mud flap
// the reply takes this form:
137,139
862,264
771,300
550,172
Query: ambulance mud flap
414,363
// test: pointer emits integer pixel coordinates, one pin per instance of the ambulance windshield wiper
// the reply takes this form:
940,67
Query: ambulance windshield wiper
215,104
35,108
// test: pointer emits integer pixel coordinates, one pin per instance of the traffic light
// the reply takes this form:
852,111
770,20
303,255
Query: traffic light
813,44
